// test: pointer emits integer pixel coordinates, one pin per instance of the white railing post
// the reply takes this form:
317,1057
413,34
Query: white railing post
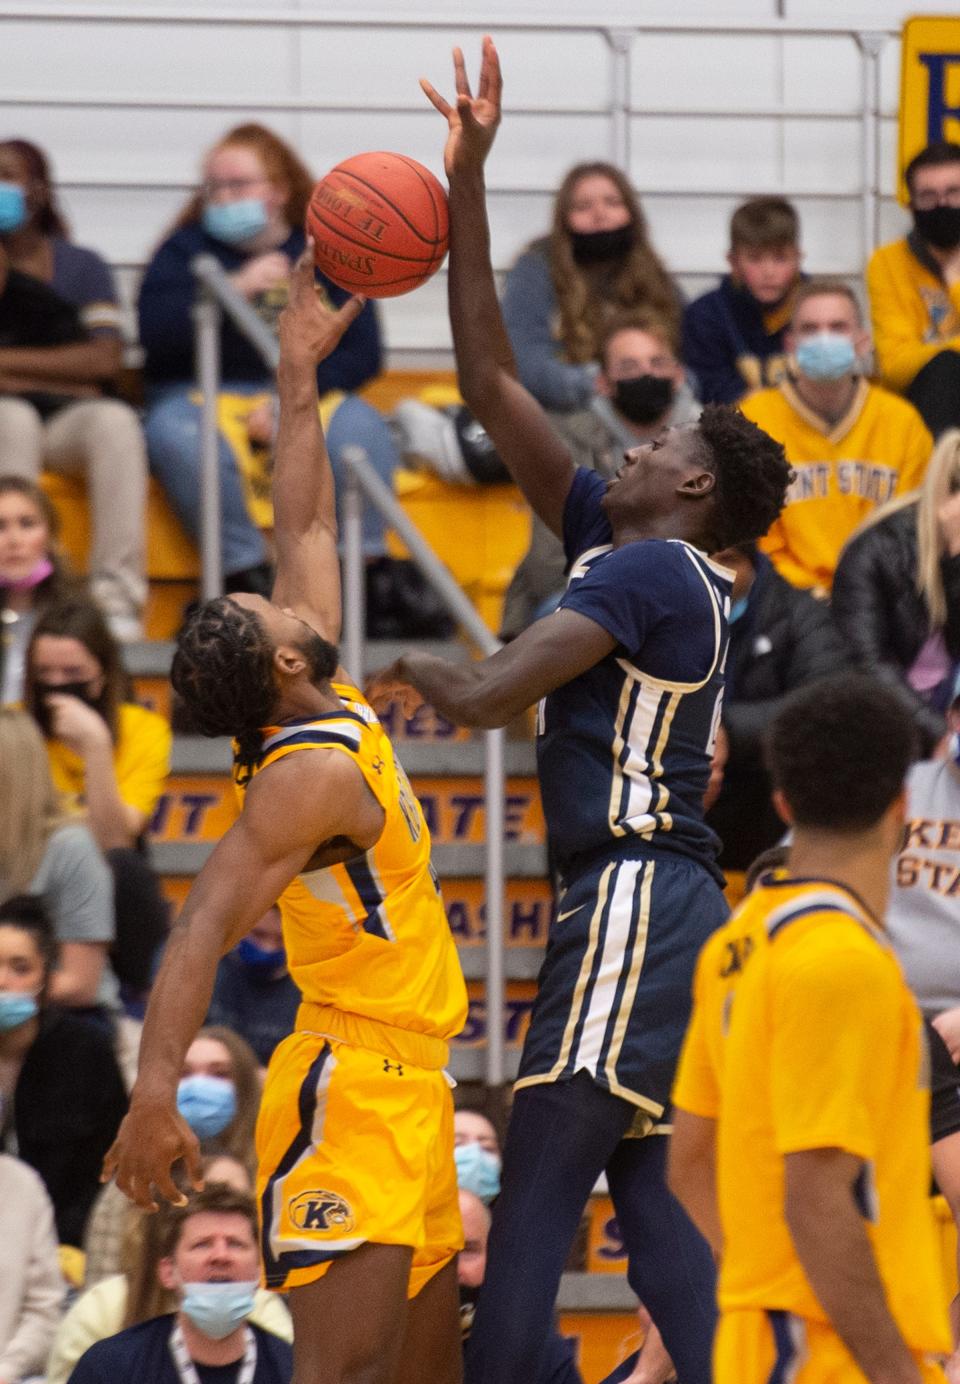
494,789
207,318
871,45
354,582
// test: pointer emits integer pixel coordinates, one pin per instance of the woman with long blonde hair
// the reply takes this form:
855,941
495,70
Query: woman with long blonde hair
596,263
43,852
896,593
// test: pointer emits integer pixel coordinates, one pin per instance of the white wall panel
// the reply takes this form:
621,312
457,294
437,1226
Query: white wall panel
724,72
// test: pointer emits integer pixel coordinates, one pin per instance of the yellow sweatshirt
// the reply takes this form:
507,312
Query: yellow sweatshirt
915,315
878,449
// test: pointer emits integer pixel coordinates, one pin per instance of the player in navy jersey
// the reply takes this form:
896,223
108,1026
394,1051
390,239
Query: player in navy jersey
630,673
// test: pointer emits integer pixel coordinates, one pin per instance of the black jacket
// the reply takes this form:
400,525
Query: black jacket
882,616
784,639
67,1106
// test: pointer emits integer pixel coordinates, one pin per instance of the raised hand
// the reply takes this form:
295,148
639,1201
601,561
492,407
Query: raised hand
308,328
472,120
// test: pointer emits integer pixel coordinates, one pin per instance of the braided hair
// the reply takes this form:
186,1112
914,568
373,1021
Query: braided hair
223,672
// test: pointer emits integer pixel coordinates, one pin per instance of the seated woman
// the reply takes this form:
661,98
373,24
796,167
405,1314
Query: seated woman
133,1293
248,214
110,758
33,575
55,409
219,1096
596,263
896,593
63,1095
45,853
31,1296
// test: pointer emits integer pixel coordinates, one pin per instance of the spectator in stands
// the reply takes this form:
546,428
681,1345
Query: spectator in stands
597,261
780,639
640,389
896,594
218,1097
733,336
209,1260
63,1095
914,286
248,214
476,1152
557,1363
253,994
46,854
31,1285
132,1293
852,445
33,574
110,759
60,359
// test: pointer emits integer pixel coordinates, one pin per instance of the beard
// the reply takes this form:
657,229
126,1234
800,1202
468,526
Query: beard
322,657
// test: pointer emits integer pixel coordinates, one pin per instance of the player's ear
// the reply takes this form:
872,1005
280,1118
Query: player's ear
782,807
698,485
288,660
167,1275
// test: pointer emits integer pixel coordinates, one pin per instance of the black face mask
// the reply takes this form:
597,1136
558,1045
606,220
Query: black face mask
40,709
939,226
595,247
644,398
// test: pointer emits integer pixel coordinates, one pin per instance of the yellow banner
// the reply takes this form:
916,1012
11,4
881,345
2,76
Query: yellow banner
929,88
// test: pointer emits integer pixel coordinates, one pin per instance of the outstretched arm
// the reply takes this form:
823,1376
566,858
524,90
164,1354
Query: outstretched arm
305,522
517,425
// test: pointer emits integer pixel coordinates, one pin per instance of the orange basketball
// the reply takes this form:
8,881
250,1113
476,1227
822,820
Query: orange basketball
379,224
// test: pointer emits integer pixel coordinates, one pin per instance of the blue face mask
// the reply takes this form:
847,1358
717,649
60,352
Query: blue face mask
826,356
16,1008
737,609
216,1309
207,1103
13,207
478,1171
258,959
235,222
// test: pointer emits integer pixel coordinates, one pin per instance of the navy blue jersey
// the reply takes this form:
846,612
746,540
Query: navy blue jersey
624,749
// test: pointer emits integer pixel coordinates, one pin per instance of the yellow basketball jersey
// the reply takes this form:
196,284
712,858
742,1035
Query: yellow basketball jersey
805,1036
369,938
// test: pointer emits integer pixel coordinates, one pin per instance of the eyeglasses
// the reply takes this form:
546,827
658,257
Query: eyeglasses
212,186
926,201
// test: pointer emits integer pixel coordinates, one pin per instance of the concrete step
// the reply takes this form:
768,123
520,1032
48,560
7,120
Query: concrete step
150,658
194,754
185,858
589,1292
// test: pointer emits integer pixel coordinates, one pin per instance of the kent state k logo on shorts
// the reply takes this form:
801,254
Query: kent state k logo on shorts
321,1211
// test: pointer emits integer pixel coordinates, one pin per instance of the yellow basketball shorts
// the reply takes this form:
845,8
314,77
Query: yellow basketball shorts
353,1147
756,1347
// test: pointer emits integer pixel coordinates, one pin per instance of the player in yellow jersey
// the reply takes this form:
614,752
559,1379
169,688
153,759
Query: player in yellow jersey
801,1122
356,1183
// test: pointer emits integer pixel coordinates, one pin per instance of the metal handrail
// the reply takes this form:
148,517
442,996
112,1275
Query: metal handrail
217,296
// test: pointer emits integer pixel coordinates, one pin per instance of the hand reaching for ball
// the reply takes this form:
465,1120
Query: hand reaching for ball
473,120
309,329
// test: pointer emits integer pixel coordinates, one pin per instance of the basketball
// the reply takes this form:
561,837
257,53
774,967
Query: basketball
379,224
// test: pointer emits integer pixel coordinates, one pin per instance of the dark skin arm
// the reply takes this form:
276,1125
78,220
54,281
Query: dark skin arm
692,1172
305,520
518,426
830,1238
81,363
496,689
245,875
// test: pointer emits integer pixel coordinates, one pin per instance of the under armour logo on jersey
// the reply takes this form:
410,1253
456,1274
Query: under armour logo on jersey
377,766
393,1067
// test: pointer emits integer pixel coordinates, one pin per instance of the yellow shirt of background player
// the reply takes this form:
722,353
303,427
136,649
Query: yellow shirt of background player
809,1038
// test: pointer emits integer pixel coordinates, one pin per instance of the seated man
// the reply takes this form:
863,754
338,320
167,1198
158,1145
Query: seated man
780,639
733,335
852,445
640,390
254,993
212,1262
32,1288
914,286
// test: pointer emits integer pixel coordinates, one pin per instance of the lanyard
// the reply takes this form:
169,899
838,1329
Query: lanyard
187,1370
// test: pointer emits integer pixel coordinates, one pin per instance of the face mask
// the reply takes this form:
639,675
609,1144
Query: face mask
643,399
478,1171
207,1103
16,1008
235,222
216,1309
737,609
13,207
259,959
43,569
594,247
40,710
939,226
826,356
